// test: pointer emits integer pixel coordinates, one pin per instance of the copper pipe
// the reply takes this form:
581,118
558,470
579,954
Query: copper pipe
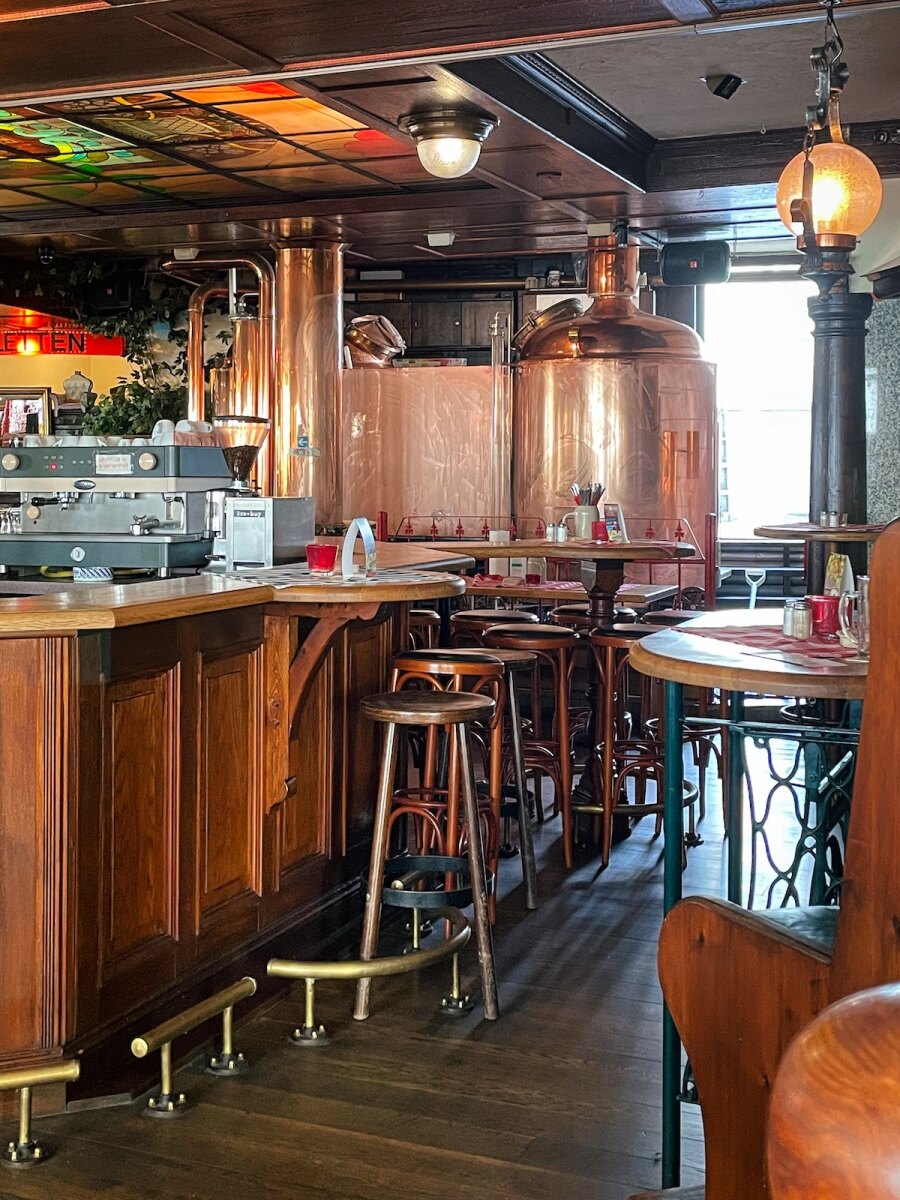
196,358
265,275
612,270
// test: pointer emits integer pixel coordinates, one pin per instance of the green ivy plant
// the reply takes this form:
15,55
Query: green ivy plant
134,406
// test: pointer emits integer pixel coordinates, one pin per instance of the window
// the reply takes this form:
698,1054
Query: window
759,335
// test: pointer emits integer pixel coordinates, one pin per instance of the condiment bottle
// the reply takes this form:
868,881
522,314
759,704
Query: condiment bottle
797,619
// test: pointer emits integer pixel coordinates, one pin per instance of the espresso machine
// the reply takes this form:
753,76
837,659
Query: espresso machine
252,531
94,509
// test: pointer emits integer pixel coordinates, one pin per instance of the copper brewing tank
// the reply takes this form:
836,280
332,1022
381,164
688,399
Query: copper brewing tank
372,341
616,396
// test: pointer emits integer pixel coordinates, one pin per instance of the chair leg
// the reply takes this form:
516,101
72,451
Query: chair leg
478,878
380,834
564,749
526,839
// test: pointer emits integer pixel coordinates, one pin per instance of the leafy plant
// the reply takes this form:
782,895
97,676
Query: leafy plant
134,406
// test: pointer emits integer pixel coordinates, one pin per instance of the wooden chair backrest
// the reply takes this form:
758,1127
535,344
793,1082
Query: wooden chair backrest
833,1117
867,948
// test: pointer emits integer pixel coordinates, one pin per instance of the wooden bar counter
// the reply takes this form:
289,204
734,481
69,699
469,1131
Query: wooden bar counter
186,789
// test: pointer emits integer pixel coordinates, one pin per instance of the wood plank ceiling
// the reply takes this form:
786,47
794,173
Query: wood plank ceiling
143,126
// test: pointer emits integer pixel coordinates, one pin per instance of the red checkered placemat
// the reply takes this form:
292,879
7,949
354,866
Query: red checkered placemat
774,639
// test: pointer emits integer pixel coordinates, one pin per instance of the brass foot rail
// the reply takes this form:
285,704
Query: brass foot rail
313,1034
167,1103
27,1151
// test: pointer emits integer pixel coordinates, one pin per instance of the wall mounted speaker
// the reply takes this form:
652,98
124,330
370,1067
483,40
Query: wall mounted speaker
683,263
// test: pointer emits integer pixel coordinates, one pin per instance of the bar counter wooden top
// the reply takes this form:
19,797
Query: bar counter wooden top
115,606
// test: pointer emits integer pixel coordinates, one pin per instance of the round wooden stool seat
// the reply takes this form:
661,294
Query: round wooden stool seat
445,662
424,616
621,636
513,660
428,708
491,616
669,616
531,637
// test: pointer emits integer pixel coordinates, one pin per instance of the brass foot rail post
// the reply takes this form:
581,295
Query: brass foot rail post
313,1034
26,1150
166,1103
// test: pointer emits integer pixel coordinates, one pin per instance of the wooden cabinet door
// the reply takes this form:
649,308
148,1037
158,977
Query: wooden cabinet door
478,317
437,323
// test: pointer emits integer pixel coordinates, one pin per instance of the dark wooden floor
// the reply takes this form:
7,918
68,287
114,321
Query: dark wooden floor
558,1100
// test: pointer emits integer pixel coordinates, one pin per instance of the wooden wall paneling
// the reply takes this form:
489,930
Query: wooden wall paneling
139,802
227,779
34,819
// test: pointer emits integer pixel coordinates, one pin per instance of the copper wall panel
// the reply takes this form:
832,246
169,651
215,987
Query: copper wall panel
418,441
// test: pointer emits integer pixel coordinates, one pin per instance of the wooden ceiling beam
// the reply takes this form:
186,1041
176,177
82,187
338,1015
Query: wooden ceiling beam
743,159
539,92
201,37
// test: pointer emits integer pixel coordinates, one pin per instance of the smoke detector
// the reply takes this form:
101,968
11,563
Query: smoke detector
185,253
445,238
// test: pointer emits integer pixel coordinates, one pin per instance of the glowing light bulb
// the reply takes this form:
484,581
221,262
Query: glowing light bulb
846,190
448,157
28,346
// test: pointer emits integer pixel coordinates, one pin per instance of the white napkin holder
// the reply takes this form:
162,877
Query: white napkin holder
359,527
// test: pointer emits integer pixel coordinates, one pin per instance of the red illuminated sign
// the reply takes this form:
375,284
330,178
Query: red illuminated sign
57,339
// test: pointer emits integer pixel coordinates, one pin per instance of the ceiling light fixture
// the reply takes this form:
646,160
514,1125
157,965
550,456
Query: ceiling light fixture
448,140
829,193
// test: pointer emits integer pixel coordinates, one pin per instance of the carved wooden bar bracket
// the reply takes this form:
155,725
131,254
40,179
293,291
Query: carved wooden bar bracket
316,645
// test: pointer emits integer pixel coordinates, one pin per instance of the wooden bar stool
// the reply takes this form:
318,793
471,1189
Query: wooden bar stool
618,754
467,627
424,628
455,712
550,755
433,808
525,661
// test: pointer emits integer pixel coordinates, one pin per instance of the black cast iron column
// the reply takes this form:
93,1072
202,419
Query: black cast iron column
838,451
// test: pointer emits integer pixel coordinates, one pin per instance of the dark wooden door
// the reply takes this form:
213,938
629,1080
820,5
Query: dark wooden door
478,317
437,323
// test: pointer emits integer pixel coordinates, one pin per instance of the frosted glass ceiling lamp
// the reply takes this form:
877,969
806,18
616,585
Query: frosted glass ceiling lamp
448,141
829,193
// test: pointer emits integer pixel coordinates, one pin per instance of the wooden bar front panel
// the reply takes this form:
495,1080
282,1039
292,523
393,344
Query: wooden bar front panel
161,817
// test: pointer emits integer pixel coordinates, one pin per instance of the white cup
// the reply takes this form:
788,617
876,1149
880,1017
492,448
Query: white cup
583,518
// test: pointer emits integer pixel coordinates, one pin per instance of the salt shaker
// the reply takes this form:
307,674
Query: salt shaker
797,619
551,532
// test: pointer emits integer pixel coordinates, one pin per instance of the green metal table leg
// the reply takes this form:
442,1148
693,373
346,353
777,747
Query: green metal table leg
673,824
734,797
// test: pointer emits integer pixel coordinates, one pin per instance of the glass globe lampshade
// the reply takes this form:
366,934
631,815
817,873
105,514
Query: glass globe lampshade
846,190
448,157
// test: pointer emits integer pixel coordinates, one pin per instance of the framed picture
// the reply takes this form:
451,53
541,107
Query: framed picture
24,410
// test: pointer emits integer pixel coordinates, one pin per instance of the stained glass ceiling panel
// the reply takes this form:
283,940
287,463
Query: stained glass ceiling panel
247,154
93,195
357,145
314,180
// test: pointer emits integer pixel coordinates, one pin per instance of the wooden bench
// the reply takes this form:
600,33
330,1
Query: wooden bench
740,985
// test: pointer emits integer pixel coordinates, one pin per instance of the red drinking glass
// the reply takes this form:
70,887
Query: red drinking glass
320,558
599,532
825,618
533,580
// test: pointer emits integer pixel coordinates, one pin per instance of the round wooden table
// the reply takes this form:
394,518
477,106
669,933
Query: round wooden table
609,559
804,531
678,657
